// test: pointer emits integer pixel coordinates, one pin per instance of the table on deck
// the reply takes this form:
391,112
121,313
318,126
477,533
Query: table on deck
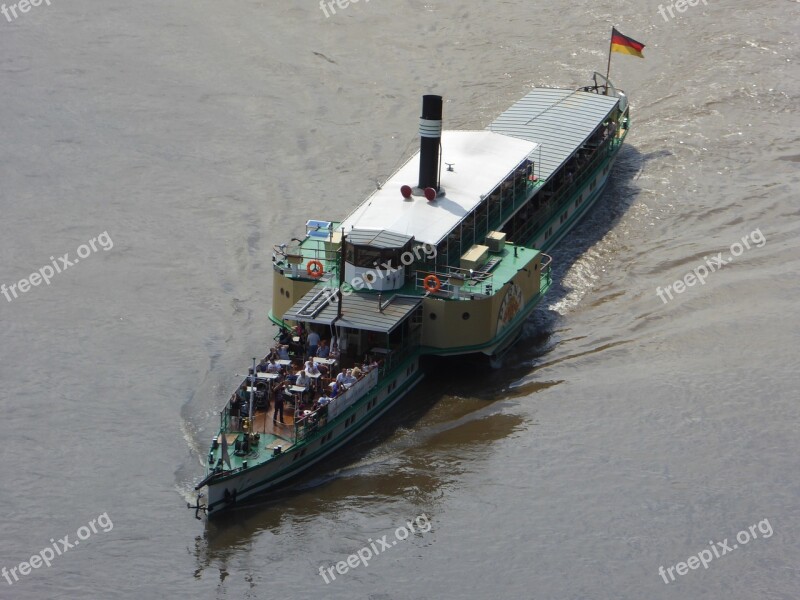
328,362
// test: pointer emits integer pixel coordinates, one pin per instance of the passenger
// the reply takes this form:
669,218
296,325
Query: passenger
272,366
285,338
356,373
283,352
348,379
303,380
324,350
273,353
311,367
278,408
335,390
262,366
313,343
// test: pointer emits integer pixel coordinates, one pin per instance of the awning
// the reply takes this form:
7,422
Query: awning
359,309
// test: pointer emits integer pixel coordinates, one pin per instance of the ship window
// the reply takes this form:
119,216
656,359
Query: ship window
367,257
281,291
591,186
465,316
432,316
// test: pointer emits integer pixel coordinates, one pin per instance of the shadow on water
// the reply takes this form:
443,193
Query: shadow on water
398,458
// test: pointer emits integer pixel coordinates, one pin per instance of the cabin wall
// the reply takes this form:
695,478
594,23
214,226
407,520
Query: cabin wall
286,292
444,324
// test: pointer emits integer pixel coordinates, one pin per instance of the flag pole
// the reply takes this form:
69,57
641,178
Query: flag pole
608,69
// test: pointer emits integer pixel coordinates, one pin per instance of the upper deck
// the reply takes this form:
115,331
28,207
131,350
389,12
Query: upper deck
474,163
560,121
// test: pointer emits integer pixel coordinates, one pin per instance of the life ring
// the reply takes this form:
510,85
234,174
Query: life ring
315,269
431,284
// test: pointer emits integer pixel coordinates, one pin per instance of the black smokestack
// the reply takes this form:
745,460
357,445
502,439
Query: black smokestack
430,132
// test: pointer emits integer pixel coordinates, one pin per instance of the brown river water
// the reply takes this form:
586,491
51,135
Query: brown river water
625,433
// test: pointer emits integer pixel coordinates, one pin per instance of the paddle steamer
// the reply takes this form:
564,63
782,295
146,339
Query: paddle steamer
446,258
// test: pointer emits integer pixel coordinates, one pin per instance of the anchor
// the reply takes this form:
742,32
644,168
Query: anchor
198,507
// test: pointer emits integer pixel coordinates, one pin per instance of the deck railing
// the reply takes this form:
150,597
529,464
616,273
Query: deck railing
475,282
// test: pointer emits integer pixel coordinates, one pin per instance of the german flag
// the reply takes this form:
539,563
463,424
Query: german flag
625,45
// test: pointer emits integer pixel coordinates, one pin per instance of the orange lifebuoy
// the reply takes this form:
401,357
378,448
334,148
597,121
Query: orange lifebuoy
315,269
431,284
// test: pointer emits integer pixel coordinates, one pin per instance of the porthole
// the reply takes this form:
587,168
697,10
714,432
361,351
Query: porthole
465,316
281,291
432,316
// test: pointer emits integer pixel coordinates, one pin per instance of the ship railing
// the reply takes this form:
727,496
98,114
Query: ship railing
308,424
309,249
474,282
546,275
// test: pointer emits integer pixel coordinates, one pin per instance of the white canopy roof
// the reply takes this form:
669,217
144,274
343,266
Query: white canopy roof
481,160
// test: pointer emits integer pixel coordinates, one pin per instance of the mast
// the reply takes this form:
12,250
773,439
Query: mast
608,69
252,395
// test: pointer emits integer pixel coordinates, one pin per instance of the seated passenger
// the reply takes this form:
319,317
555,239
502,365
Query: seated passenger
262,366
311,368
283,351
348,378
356,373
303,380
323,351
272,366
335,390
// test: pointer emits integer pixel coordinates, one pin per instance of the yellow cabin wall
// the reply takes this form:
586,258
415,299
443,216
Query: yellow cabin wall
286,292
